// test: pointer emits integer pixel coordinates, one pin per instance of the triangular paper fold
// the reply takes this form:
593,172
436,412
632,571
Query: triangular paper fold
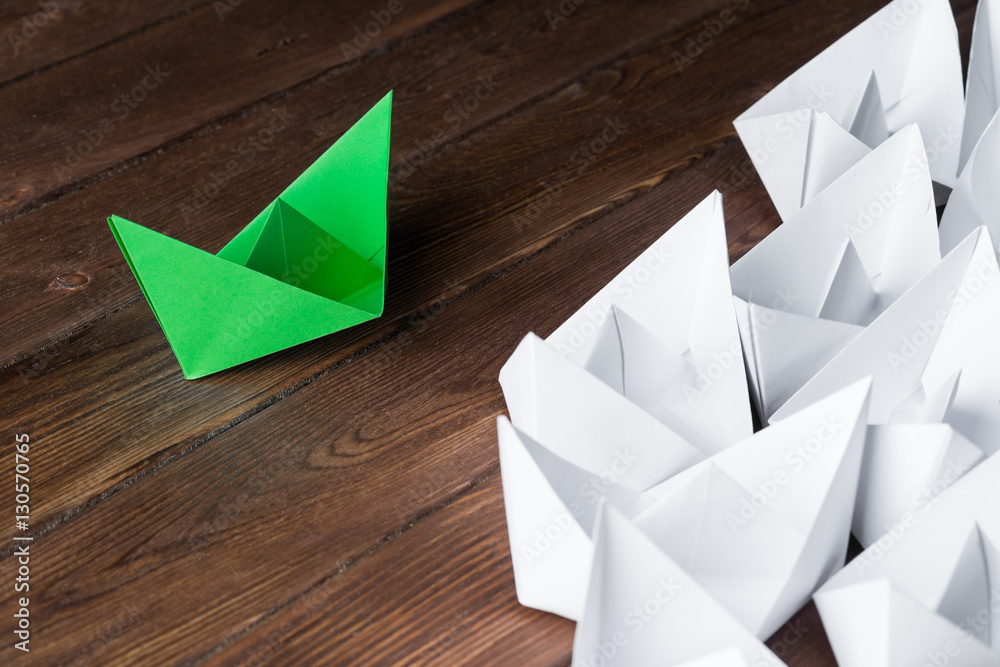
586,422
867,118
762,524
983,82
911,49
696,323
798,154
927,590
975,201
643,609
898,346
784,350
903,462
551,510
890,223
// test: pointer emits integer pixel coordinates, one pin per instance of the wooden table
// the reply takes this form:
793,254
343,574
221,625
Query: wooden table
339,502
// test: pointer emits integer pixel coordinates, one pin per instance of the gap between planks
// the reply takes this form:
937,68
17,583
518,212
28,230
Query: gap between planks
115,40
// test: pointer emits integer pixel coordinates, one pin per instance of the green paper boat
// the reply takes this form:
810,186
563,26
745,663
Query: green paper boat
310,264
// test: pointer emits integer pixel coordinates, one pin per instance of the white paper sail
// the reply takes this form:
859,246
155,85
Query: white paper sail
857,246
784,350
551,508
587,422
927,407
983,82
904,57
919,377
976,199
643,609
798,154
903,462
928,591
945,324
762,524
696,324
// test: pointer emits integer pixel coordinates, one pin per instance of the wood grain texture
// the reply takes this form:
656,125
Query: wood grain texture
39,35
339,503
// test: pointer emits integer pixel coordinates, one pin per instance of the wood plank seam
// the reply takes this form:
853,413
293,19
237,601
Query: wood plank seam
61,341
121,38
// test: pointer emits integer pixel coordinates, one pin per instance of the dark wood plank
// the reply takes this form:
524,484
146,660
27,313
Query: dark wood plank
429,261
127,99
41,34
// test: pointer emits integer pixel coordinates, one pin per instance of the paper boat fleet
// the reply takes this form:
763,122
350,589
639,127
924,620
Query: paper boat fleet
640,502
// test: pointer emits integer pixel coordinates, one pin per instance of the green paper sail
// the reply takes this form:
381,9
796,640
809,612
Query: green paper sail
311,263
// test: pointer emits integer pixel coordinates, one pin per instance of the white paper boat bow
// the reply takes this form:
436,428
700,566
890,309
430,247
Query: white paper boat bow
762,524
806,289
927,592
673,302
640,384
900,66
643,609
